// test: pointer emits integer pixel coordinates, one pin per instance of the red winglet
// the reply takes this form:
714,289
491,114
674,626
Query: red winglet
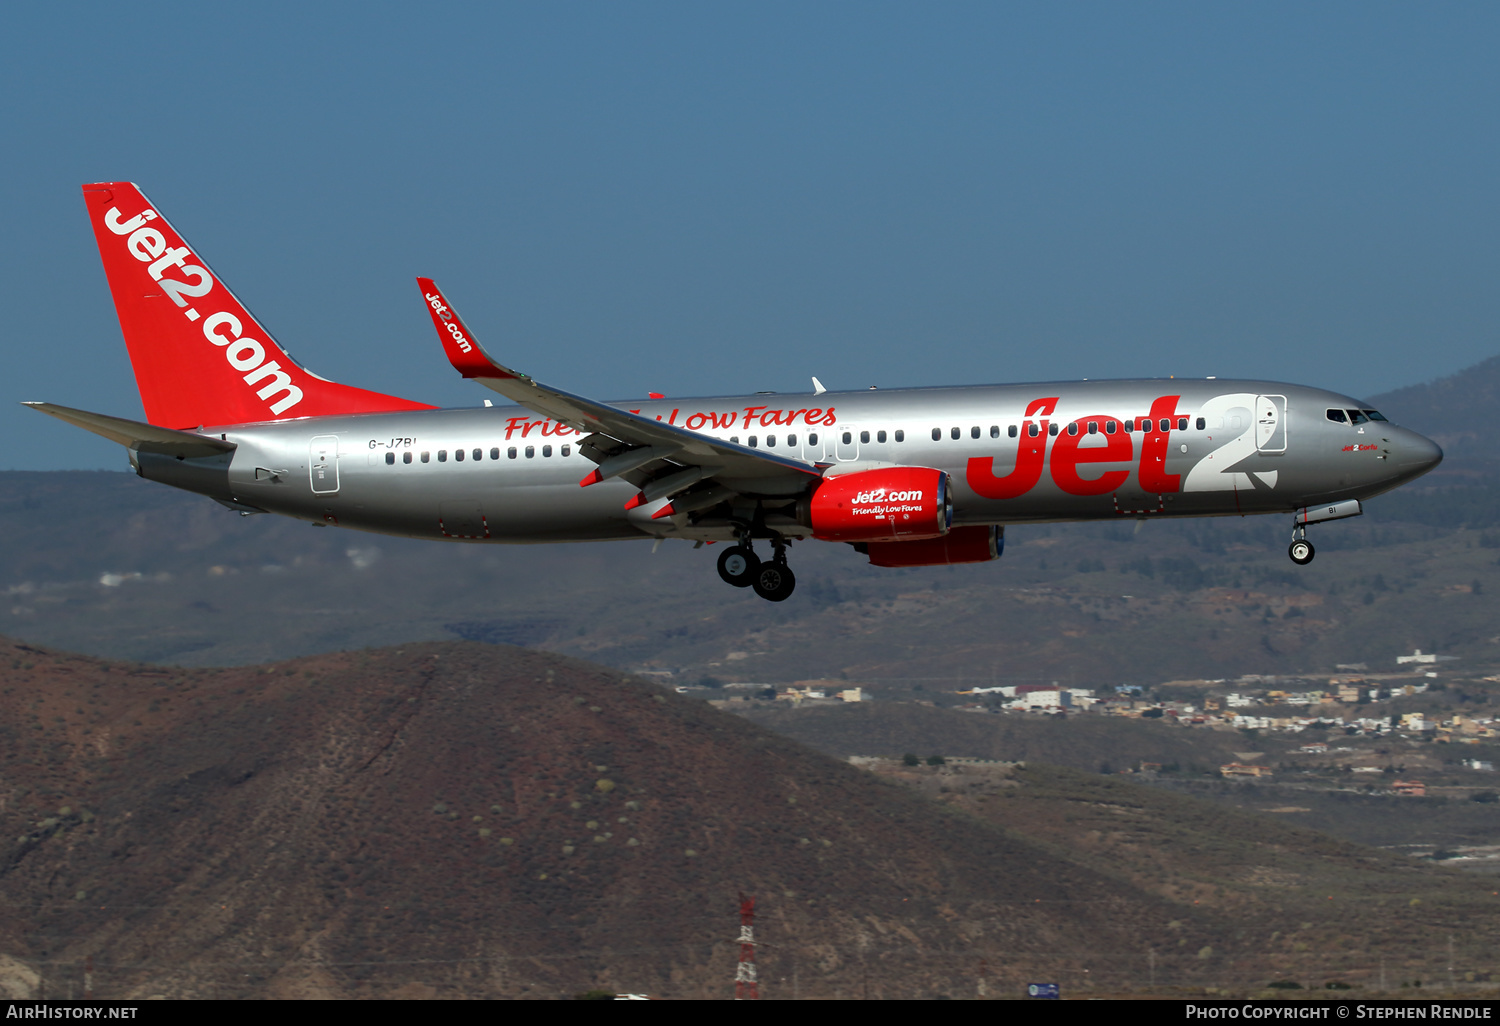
665,511
459,345
636,500
593,478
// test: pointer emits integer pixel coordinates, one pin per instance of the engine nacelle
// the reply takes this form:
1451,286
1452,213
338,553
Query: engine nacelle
881,505
960,545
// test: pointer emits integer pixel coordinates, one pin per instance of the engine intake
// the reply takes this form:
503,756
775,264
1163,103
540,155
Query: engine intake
881,505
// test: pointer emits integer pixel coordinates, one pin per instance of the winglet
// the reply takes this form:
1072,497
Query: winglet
462,349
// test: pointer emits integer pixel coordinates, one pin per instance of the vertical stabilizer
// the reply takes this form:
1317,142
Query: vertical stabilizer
198,354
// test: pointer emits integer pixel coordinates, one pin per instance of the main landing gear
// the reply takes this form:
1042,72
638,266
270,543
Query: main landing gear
772,580
1301,550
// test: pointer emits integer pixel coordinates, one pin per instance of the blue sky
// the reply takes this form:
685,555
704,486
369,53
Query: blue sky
712,198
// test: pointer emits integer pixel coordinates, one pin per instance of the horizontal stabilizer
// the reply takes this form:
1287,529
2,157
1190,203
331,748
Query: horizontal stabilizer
135,435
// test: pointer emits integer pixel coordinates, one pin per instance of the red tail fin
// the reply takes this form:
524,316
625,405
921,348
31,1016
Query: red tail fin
199,356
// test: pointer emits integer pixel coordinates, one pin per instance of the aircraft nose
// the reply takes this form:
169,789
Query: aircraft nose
1418,454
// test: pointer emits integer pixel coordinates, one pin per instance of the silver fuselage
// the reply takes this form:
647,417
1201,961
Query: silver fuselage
1249,447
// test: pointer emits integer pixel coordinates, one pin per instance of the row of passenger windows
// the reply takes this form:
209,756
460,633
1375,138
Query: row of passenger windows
475,454
1354,416
1144,424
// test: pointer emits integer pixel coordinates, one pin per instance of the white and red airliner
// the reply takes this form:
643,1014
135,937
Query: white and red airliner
909,477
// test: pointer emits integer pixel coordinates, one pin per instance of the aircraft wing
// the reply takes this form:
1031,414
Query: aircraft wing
135,435
625,432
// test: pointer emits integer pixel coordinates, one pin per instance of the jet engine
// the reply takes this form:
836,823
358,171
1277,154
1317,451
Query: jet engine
880,505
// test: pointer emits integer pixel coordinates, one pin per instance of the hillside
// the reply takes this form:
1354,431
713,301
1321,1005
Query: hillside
1089,743
1305,906
481,821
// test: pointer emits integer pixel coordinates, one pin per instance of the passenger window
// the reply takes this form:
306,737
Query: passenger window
1337,416
848,437
791,441
1073,428
1031,429
530,452
755,441
406,457
390,459
495,453
478,455
900,436
1093,427
510,453
1202,424
770,441
974,431
1052,430
1182,423
735,439
880,436
442,455
1109,427
1376,415
426,457
1129,424
955,432
1165,425
567,450
547,451
994,430
812,439
1011,431
1356,417
458,454
937,434
864,438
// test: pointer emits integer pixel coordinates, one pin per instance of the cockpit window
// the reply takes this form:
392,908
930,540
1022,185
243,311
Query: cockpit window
1376,415
1337,416
1358,417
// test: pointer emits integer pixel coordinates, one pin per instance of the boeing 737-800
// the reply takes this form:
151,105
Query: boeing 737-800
908,477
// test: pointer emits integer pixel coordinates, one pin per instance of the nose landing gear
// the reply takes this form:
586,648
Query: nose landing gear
1301,550
772,580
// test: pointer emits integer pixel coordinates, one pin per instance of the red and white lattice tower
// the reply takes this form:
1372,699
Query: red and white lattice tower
745,986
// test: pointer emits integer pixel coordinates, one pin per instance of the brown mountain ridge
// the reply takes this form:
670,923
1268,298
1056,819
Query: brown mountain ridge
466,820
469,820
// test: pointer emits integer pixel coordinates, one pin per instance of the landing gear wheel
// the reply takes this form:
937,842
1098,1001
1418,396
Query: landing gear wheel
1301,552
737,565
774,581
